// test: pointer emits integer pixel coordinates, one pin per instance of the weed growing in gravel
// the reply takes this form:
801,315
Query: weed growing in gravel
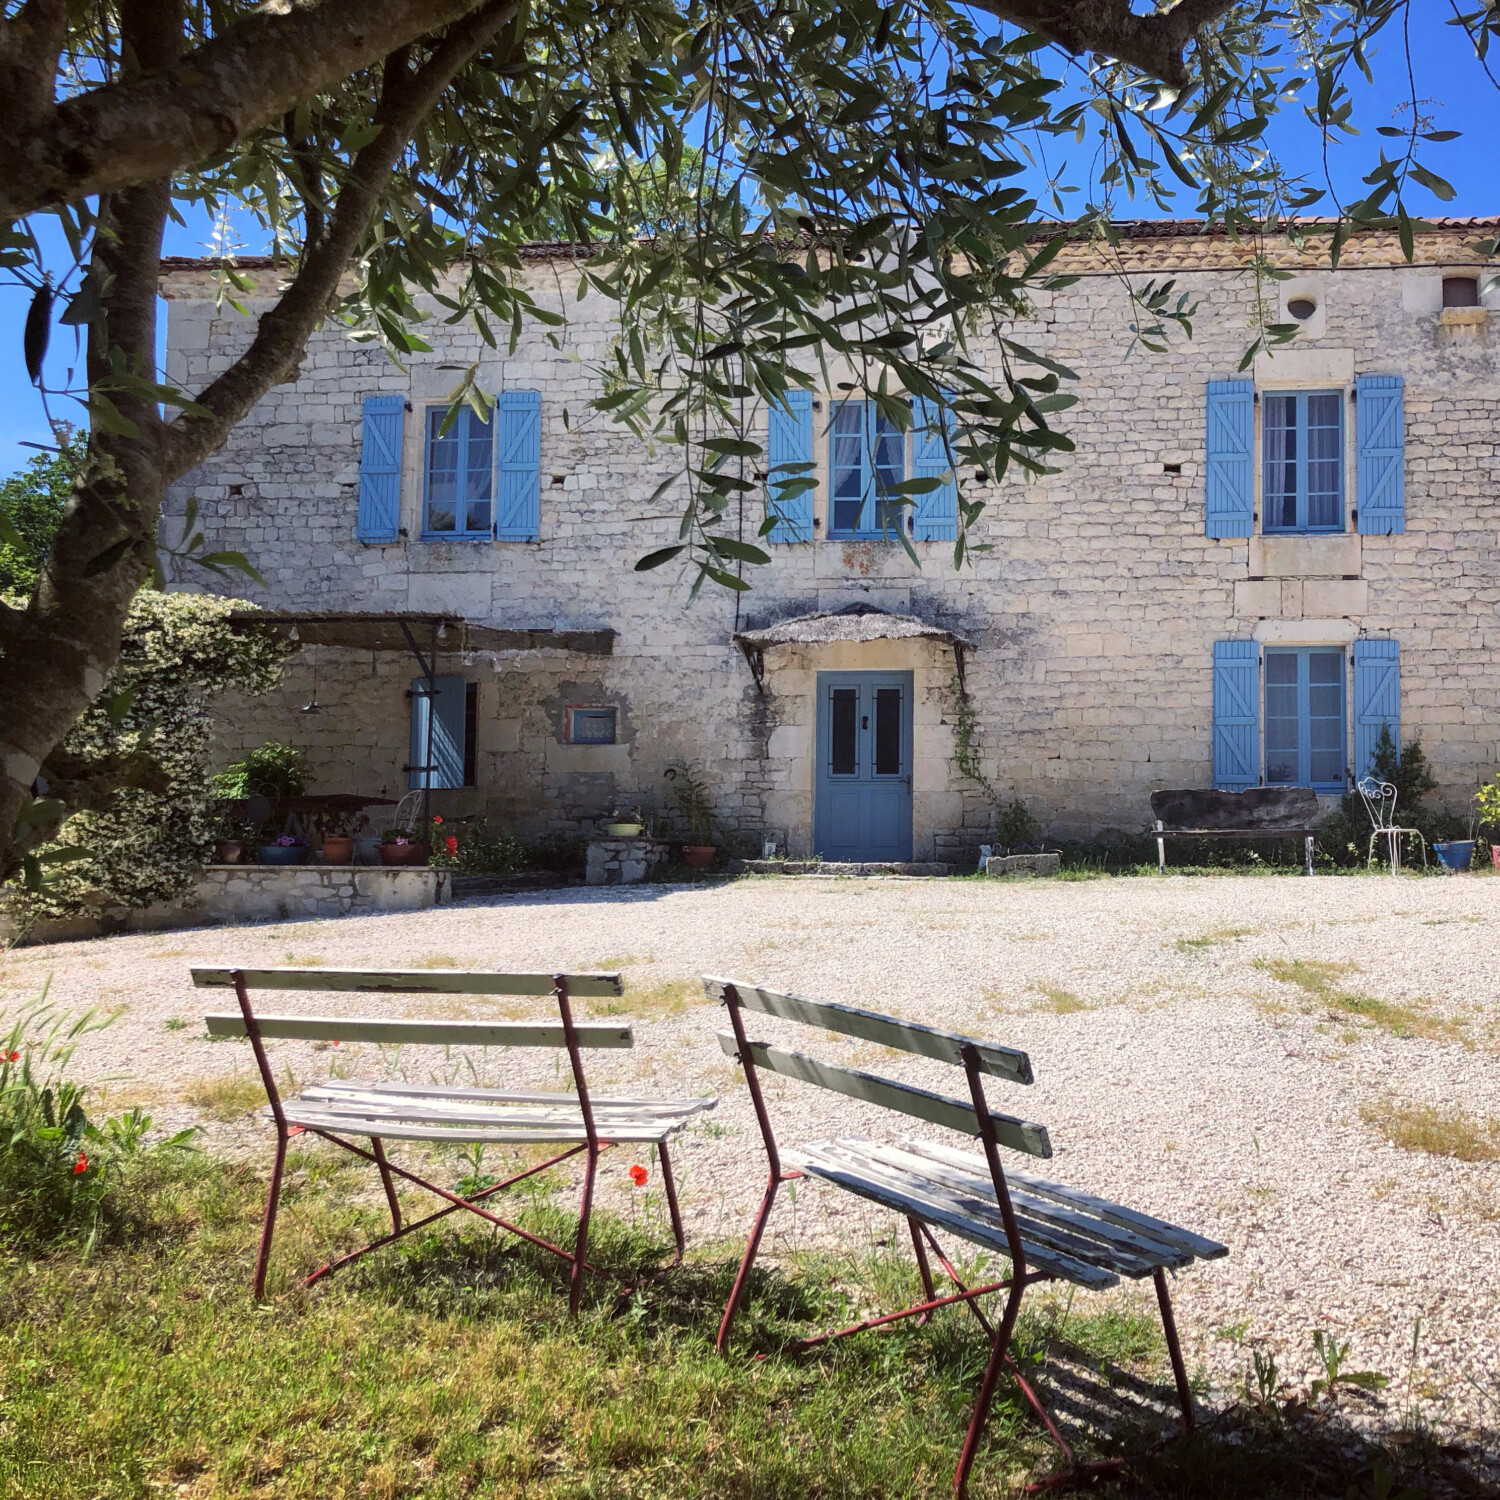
175,1023
1212,939
1437,1132
1318,981
652,1002
225,1099
1061,1002
305,960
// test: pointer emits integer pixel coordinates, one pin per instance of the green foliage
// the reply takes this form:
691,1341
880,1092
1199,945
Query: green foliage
1015,825
136,763
1344,835
59,1172
476,850
692,801
1487,803
269,770
31,506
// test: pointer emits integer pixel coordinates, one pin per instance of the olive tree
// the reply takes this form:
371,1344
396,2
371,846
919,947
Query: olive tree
849,170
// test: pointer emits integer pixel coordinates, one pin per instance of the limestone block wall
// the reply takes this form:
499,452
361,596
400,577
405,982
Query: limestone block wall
1094,612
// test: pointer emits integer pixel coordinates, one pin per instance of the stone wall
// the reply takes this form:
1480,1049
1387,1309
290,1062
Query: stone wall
1094,611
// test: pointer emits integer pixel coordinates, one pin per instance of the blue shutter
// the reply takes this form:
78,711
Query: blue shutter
1377,697
789,459
518,489
936,519
448,725
1229,472
1236,715
1381,422
380,469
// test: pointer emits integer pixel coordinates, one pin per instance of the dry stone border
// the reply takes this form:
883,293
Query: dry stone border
1177,1067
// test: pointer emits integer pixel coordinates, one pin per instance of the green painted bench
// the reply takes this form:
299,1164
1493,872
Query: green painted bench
380,1112
1047,1231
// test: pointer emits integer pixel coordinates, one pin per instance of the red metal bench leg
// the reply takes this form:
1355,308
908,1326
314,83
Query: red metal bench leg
387,1181
679,1239
268,1222
982,1404
920,1249
580,1248
743,1274
1179,1370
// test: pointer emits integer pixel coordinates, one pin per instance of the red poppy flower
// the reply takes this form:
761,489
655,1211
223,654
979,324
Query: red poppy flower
81,1165
334,1043
452,844
436,819
638,1175
14,1057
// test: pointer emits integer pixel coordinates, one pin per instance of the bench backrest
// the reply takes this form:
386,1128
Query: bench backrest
416,1032
975,1056
1257,807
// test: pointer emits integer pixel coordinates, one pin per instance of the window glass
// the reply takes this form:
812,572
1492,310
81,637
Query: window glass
866,456
1304,718
1302,461
843,735
848,465
1281,718
460,474
1325,709
888,731
479,451
1324,491
591,726
442,473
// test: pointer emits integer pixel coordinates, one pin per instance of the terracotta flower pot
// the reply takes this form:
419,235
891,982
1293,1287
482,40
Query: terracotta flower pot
699,856
1495,855
402,854
229,852
338,849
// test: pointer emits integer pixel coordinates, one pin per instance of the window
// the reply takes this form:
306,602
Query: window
592,726
444,741
1460,291
1302,461
1304,735
460,475
866,456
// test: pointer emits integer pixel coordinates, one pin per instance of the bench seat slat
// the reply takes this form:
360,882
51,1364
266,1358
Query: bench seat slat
1117,1240
1114,1213
385,1093
410,981
419,1033
522,1133
888,1031
936,1109
497,1108
1233,833
1052,1237
912,1200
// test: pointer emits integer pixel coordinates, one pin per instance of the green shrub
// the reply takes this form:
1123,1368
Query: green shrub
1344,835
472,849
59,1172
269,770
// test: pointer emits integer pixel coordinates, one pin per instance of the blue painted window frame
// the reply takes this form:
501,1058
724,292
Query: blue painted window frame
586,725
1316,732
868,451
1300,466
474,486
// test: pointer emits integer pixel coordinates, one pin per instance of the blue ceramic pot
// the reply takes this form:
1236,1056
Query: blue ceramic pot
284,854
1456,854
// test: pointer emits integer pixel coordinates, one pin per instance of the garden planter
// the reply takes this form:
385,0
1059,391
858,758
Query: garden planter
1455,855
699,856
402,854
338,850
624,830
230,852
283,854
1495,855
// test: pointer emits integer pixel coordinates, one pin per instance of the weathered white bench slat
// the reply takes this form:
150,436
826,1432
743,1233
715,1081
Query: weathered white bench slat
411,981
1148,1251
519,1135
602,1104
936,1109
1034,1231
420,1033
976,1230
888,1031
1114,1213
450,1112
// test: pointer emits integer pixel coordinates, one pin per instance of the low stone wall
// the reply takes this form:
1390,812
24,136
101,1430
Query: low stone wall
623,861
231,894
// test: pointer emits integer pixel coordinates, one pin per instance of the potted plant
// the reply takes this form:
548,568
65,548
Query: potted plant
337,832
1487,806
233,840
629,825
404,846
287,849
690,796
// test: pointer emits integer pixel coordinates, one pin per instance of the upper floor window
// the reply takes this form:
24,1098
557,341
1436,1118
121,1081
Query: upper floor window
460,475
1302,461
866,457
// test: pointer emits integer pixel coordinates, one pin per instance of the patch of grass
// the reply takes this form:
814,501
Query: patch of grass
225,1099
1212,939
620,961
1318,981
304,960
1061,1002
436,961
653,1002
1436,1132
175,1023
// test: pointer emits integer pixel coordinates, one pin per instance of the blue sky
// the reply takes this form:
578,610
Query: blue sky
1449,81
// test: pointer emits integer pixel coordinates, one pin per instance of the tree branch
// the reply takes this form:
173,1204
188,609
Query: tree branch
173,117
30,44
1151,42
282,334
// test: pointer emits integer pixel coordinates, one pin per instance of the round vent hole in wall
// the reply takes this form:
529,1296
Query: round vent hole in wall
1302,308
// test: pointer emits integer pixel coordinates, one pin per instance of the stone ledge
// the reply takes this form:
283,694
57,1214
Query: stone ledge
1023,864
834,867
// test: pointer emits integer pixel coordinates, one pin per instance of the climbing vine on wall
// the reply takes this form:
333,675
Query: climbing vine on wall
1013,821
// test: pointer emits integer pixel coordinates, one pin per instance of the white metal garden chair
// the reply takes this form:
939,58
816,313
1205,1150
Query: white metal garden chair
1380,802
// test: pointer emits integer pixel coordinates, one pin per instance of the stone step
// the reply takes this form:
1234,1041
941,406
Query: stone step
836,867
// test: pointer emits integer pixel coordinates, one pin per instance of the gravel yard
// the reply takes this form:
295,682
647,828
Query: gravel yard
1226,1052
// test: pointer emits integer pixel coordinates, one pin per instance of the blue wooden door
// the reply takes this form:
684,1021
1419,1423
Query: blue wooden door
862,796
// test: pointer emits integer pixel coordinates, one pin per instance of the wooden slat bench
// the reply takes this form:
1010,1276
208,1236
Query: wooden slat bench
383,1112
1260,812
1047,1231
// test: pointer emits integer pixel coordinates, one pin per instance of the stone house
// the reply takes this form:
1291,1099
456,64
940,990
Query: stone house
1236,579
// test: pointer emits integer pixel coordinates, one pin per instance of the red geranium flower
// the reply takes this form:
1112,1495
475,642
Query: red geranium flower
452,844
81,1165
638,1175
436,819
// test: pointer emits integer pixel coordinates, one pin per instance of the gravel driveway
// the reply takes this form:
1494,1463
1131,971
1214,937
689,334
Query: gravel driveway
1214,1050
